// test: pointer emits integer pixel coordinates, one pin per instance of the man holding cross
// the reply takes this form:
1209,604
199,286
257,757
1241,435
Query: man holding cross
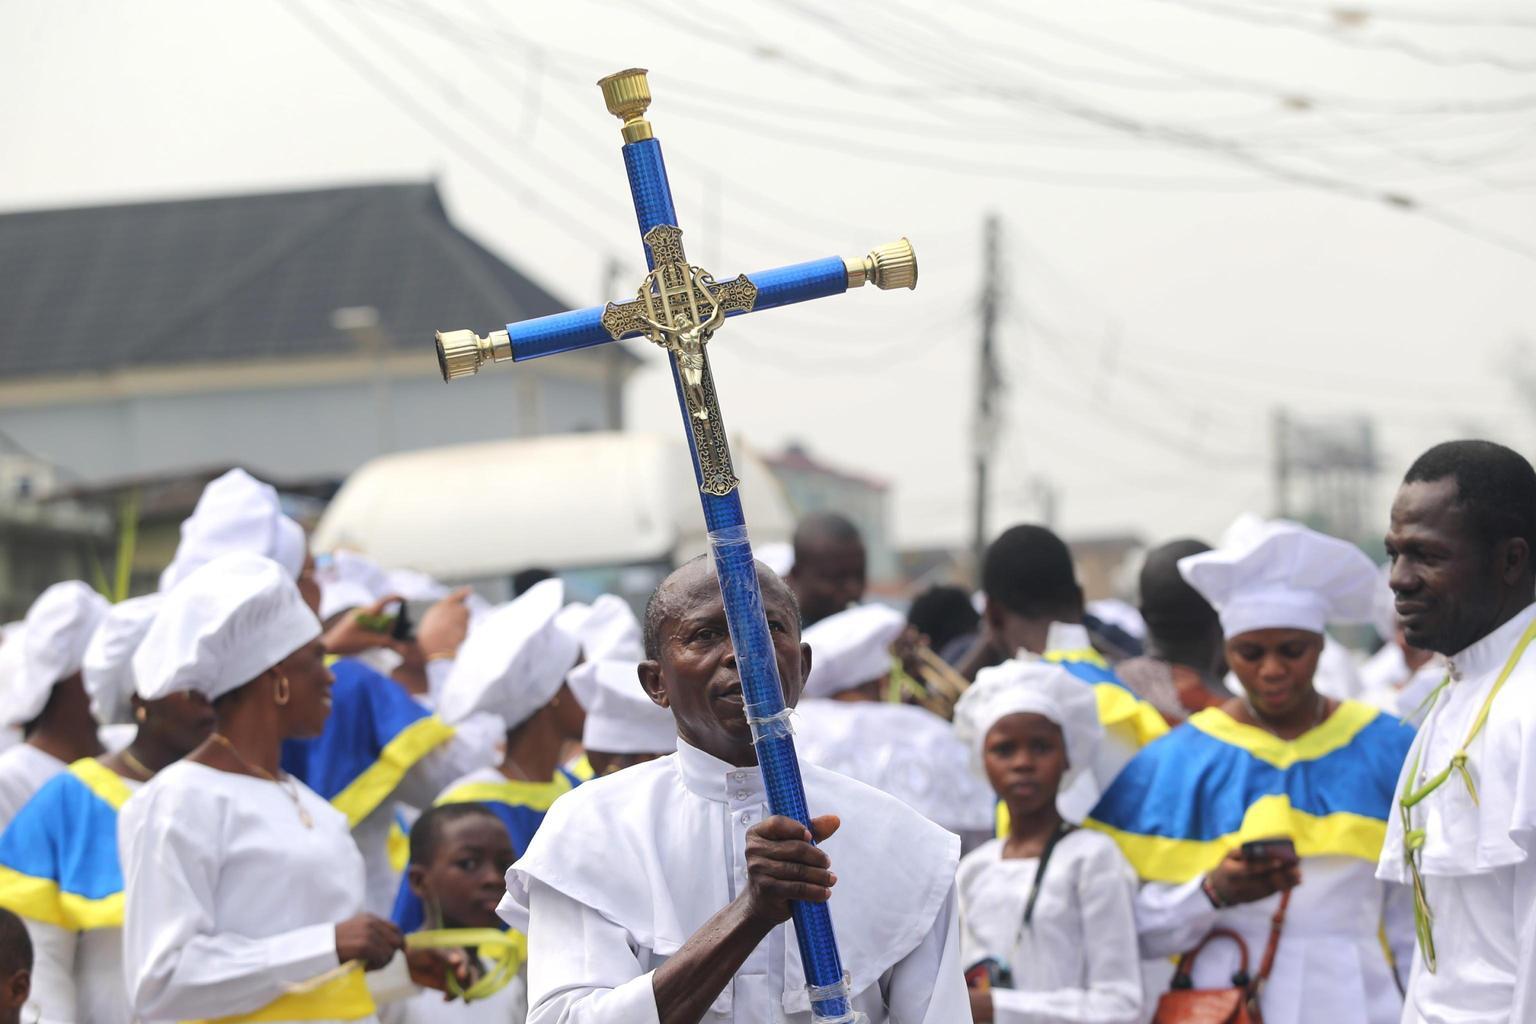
660,893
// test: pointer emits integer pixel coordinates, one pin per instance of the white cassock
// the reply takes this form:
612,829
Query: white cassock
1477,860
23,770
1076,962
903,750
1329,965
231,900
625,869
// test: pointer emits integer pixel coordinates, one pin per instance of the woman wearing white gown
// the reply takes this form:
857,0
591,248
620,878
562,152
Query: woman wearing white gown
1281,762
244,888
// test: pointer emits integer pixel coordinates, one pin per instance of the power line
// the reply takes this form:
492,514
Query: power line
1394,44
1179,137
467,148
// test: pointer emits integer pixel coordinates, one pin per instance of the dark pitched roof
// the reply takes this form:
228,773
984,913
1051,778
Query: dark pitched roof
243,277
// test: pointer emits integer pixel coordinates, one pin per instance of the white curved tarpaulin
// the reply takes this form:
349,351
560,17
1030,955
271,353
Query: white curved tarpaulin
565,501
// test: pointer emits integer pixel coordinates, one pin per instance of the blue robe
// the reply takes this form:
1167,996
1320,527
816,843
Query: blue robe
1214,783
58,857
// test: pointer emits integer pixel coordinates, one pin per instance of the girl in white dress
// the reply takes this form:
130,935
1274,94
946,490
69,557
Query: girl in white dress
1048,924
244,888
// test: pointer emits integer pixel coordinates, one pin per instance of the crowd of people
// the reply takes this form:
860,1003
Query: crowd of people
264,793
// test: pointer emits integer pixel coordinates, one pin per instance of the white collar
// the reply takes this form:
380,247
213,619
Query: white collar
1489,653
709,777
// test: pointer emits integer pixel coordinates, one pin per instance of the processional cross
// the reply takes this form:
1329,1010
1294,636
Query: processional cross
679,306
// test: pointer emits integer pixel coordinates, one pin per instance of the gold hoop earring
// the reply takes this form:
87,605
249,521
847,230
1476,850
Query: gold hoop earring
282,691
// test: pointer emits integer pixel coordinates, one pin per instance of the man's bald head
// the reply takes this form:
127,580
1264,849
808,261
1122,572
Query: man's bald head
691,665
829,570
682,587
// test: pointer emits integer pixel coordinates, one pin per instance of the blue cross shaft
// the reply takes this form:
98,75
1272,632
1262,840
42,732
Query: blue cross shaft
737,573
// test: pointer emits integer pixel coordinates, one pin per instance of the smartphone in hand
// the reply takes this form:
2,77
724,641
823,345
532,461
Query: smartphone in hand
1282,849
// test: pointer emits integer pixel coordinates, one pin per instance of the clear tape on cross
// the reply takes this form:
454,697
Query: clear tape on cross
771,719
837,990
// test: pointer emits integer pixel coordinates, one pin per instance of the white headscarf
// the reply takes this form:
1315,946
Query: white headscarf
51,645
611,632
236,512
227,622
1032,686
621,718
108,664
1284,576
851,648
513,661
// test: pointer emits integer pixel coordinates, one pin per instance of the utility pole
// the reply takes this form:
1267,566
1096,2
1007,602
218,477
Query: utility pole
1280,462
988,385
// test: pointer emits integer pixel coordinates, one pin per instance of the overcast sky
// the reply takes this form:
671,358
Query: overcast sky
1183,250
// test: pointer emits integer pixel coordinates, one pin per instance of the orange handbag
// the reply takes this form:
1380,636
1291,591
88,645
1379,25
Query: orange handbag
1183,1004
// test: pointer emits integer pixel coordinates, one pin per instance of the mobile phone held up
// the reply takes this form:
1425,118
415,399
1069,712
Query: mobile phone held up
1282,849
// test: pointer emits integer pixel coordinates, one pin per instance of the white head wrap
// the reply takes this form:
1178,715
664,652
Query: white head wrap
51,646
1284,576
851,648
621,719
236,512
611,632
108,665
349,580
227,622
1032,686
513,661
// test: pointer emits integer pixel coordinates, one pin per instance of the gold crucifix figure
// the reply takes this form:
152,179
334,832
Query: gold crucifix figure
678,307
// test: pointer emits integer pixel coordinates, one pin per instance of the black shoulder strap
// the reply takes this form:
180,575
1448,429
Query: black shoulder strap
1045,858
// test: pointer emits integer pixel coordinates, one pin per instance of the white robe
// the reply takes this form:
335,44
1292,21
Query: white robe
1077,962
1329,965
625,869
1479,872
231,900
905,751
23,770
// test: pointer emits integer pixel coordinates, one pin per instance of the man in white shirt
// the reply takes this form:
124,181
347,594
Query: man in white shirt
1461,537
660,893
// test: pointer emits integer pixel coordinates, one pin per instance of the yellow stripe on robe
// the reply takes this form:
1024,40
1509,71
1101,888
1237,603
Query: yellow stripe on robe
1175,861
41,900
342,998
364,793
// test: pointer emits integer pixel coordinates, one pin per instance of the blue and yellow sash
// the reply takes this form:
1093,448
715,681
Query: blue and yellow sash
58,857
521,806
375,734
1213,783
